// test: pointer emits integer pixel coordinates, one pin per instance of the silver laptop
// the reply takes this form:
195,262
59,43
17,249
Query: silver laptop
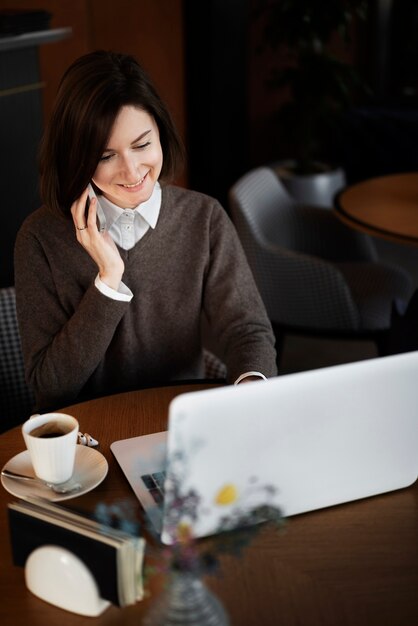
300,441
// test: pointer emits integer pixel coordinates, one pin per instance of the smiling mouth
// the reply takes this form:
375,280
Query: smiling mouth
138,182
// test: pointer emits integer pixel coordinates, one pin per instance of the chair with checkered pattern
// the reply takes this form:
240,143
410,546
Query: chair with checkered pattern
315,275
215,369
16,399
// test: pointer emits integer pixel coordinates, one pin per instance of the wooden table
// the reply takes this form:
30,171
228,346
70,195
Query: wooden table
386,206
350,565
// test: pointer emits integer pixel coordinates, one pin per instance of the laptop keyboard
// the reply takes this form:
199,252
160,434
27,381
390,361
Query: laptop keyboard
155,485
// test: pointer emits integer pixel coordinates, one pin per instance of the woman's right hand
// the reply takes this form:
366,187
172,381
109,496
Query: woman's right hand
99,245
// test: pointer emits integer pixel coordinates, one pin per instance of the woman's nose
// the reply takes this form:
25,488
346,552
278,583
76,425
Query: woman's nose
130,169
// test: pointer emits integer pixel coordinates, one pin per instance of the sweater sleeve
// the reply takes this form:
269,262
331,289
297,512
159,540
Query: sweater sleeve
233,305
62,343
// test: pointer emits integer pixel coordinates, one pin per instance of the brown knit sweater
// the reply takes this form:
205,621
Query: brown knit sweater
79,343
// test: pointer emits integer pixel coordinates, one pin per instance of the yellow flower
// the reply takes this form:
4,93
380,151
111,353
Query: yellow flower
227,495
184,532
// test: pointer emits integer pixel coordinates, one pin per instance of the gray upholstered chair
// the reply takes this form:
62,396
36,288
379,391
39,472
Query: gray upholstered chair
215,369
16,399
315,275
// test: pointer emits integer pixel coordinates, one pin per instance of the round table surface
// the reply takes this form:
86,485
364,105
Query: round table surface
386,206
354,564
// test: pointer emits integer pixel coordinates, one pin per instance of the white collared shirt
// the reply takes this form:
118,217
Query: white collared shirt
128,226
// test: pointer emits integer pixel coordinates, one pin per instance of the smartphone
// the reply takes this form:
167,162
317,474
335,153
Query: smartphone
101,220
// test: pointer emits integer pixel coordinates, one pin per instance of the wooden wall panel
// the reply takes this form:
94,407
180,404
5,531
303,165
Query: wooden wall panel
152,31
54,58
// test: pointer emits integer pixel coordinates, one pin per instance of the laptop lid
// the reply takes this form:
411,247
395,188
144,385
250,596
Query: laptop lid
301,441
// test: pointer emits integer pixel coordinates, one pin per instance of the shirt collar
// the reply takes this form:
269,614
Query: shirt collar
149,210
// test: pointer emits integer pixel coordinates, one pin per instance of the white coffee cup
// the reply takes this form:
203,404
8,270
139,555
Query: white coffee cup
51,440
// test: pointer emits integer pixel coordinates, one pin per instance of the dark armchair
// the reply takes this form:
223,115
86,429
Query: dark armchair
16,399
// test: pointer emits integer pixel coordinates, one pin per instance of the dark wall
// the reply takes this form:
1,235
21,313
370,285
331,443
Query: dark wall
20,132
381,136
394,42
216,99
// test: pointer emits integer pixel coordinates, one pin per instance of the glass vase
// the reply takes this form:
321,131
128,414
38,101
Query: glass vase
186,601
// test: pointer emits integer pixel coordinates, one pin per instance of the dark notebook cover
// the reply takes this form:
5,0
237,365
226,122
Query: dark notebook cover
28,533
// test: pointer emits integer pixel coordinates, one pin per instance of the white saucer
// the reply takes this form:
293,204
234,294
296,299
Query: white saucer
90,470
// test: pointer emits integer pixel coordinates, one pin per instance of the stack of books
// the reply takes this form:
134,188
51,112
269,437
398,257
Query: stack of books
114,557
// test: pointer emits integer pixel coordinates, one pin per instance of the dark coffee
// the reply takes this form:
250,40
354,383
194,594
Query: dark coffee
50,430
49,435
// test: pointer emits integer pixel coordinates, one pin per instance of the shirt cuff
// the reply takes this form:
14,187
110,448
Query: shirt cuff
123,294
246,374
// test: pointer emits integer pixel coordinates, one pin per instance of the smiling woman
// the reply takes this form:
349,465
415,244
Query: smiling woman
119,307
129,168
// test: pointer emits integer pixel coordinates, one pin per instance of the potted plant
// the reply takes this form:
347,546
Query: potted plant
317,86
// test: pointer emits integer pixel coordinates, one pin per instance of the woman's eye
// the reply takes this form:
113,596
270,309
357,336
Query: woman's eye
106,157
142,145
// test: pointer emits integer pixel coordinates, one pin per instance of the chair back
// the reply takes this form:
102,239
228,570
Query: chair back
16,399
269,224
262,208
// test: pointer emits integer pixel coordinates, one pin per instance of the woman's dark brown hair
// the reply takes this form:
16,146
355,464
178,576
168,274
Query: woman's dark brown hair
91,94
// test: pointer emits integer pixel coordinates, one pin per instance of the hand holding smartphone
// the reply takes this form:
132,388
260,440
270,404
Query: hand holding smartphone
100,216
